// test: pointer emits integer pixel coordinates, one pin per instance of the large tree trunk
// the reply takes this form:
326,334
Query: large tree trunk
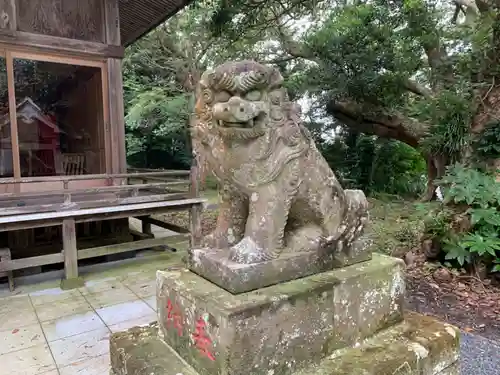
436,168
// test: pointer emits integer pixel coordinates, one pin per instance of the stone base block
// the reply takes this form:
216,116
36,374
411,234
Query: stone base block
139,351
418,346
215,266
281,328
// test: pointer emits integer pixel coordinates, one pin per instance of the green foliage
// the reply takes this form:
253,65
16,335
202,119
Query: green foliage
438,222
487,143
161,71
395,226
451,115
364,53
456,252
496,267
376,165
361,56
475,195
470,187
157,106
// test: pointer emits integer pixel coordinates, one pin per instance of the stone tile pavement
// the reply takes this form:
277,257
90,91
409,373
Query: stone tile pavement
48,331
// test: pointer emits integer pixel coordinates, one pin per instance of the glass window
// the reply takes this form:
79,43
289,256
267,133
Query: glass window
60,118
6,166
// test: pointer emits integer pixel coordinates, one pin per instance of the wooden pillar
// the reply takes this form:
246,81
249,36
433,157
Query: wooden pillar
116,116
115,90
16,157
71,279
5,256
196,210
2,162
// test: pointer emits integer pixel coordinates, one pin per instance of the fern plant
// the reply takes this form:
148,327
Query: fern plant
476,194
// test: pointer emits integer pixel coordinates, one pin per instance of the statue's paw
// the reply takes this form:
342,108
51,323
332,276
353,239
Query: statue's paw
357,201
304,239
215,241
247,251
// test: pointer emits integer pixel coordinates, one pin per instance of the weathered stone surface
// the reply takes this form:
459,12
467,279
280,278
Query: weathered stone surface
452,370
280,328
214,265
279,195
139,351
67,284
419,346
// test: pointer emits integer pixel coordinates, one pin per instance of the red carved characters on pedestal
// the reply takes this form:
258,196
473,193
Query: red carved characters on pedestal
174,317
201,339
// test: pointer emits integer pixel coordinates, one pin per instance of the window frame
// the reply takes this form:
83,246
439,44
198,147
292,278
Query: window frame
11,53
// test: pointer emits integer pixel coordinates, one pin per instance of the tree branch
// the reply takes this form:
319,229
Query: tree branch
292,47
469,8
417,88
382,124
278,60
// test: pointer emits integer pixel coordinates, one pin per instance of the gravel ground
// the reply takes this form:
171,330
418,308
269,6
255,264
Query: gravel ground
479,356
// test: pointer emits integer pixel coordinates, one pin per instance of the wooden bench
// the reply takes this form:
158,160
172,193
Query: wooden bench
67,219
66,209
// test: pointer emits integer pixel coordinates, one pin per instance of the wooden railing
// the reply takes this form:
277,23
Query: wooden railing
165,174
70,206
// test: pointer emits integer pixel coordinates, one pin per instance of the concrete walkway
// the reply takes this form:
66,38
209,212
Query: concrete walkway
479,356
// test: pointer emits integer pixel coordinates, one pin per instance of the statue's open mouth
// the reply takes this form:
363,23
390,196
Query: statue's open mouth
256,122
242,125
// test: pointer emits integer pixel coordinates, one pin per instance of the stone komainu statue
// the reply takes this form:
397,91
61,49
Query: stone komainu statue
278,193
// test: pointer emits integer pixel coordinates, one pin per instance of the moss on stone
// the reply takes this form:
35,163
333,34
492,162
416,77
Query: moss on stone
139,351
396,351
285,326
67,284
230,304
419,346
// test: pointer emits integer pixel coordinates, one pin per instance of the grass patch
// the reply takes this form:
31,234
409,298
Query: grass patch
211,195
395,226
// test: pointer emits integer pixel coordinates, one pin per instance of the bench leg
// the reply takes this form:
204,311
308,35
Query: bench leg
195,226
10,278
71,279
146,226
6,256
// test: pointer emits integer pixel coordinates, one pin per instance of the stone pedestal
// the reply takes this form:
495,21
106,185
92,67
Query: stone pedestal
346,321
418,346
215,266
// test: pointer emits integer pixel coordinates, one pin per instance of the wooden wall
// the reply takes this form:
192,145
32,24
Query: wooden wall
79,30
8,18
74,19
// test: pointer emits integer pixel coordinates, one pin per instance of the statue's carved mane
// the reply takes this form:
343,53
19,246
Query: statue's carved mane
253,75
283,125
